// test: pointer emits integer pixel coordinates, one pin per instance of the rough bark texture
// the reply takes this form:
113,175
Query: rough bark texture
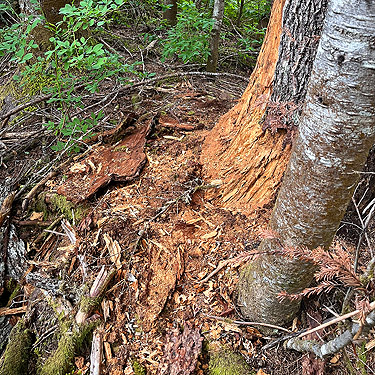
237,150
336,133
217,16
250,161
170,14
298,45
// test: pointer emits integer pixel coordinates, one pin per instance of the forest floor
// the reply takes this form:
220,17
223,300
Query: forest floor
174,252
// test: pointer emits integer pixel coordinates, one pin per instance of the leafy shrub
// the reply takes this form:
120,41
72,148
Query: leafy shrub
189,38
75,58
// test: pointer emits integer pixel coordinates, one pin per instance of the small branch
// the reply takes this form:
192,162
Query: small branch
336,320
96,355
9,311
44,98
334,345
243,323
31,194
32,102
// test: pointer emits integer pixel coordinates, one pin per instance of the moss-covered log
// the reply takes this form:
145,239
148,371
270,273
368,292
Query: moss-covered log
17,353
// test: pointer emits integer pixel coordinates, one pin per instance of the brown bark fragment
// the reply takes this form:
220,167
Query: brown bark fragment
181,351
122,161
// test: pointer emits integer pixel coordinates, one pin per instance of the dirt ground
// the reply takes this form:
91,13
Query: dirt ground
176,256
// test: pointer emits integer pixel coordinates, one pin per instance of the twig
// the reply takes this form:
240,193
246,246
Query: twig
335,320
43,98
96,352
242,258
9,311
337,343
185,194
30,195
178,75
243,323
364,225
32,102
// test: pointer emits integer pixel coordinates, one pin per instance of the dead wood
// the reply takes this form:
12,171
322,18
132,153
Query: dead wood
181,351
336,344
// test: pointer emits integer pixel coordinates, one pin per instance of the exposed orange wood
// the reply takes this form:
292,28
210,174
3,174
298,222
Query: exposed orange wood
250,162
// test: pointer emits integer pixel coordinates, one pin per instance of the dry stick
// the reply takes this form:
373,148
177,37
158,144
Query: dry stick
31,194
177,75
336,320
36,100
364,225
243,323
334,345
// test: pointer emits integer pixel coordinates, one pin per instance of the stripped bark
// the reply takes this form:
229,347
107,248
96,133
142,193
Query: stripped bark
336,133
249,160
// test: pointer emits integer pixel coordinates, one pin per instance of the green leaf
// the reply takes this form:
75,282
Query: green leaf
27,57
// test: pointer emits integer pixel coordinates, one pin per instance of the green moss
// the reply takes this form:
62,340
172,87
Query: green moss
59,203
62,360
138,368
226,362
14,294
67,208
88,303
17,353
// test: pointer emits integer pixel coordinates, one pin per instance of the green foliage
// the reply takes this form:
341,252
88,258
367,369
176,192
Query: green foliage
189,39
15,39
17,353
74,58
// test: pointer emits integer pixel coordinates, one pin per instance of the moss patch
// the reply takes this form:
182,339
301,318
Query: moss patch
138,368
17,353
61,361
51,203
226,362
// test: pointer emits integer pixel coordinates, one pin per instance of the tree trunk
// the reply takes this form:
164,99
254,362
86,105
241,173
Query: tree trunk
170,14
240,11
217,16
336,133
248,158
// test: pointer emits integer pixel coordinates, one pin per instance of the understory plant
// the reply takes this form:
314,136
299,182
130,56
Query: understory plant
74,59
189,38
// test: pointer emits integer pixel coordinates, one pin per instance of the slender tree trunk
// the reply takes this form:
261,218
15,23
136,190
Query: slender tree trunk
249,148
170,14
240,11
217,16
336,133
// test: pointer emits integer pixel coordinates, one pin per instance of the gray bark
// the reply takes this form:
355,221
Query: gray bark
302,27
336,133
217,16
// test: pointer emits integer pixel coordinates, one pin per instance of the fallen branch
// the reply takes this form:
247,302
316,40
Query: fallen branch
96,356
9,311
333,346
336,320
243,323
